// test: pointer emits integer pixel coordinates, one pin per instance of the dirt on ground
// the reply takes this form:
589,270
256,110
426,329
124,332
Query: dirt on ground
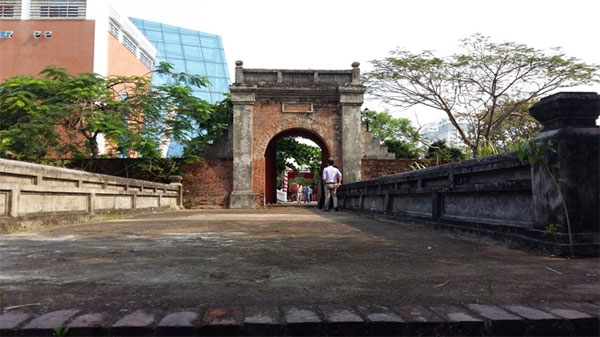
277,256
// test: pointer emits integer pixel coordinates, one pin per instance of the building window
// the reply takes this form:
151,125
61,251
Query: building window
114,29
10,9
129,44
147,60
70,9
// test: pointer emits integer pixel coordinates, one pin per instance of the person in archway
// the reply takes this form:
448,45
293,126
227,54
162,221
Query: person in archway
299,193
307,194
332,179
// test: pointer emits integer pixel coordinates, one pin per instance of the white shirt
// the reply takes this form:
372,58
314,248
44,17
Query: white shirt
331,174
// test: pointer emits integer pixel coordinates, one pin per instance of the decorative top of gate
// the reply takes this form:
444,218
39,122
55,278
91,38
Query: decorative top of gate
294,77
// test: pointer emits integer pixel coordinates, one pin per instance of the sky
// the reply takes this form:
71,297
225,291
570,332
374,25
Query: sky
331,34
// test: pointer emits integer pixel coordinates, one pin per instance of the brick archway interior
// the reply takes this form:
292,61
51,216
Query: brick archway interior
271,166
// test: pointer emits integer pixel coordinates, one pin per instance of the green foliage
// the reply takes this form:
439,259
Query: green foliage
487,149
60,114
539,152
487,84
489,285
302,181
440,150
518,127
304,156
60,331
397,134
403,149
552,228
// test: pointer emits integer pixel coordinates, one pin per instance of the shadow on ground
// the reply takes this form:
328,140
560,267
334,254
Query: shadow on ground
279,256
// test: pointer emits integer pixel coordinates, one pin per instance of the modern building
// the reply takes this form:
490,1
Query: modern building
444,130
91,36
79,35
192,52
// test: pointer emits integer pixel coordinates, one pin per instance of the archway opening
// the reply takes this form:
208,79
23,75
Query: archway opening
289,145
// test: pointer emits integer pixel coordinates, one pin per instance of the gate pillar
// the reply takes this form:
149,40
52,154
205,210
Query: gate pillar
243,98
351,98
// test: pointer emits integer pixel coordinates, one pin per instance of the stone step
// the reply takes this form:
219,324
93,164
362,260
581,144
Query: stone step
547,319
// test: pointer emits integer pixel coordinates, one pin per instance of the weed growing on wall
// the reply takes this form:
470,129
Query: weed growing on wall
535,151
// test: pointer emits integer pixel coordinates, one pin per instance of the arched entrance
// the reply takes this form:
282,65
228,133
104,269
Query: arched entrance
270,154
321,105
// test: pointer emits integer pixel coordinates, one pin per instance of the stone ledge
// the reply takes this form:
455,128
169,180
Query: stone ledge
548,319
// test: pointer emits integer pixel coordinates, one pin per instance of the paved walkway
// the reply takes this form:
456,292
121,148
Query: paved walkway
278,257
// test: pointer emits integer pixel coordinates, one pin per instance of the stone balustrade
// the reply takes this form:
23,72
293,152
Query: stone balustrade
503,198
44,192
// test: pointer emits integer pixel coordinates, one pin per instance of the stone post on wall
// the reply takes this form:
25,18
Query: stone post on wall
243,98
351,99
569,120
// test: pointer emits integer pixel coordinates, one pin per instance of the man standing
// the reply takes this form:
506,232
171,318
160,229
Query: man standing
307,194
332,179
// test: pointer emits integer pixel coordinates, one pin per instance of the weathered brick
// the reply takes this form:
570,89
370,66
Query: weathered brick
262,321
539,323
343,321
268,122
417,314
43,325
302,321
180,323
92,324
499,322
222,321
563,311
11,320
420,320
588,308
136,323
461,321
381,321
208,182
577,323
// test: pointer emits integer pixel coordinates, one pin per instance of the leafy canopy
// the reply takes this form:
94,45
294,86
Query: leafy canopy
61,115
397,134
303,155
485,84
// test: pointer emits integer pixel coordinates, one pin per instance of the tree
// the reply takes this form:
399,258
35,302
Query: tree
304,156
440,150
485,84
397,134
517,128
59,114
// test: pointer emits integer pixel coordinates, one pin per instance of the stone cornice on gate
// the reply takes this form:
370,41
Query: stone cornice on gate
312,92
298,82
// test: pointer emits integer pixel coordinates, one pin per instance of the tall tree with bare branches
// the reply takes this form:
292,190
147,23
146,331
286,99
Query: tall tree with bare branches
486,84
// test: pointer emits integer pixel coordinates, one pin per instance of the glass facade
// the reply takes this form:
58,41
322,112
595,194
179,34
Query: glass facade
192,52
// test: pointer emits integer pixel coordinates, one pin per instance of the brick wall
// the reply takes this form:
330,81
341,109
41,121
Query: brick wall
269,123
373,168
208,182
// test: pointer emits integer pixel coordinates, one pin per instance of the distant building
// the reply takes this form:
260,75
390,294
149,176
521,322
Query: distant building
444,130
79,35
192,52
91,36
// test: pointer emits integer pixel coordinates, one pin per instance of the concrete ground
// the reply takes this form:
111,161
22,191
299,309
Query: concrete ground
281,256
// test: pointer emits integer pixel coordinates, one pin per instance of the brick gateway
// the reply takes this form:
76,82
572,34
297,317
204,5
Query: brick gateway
270,104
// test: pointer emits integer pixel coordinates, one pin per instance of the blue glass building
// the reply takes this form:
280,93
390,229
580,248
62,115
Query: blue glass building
192,52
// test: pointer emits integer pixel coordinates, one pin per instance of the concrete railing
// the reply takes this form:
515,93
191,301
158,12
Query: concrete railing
286,76
502,197
28,189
